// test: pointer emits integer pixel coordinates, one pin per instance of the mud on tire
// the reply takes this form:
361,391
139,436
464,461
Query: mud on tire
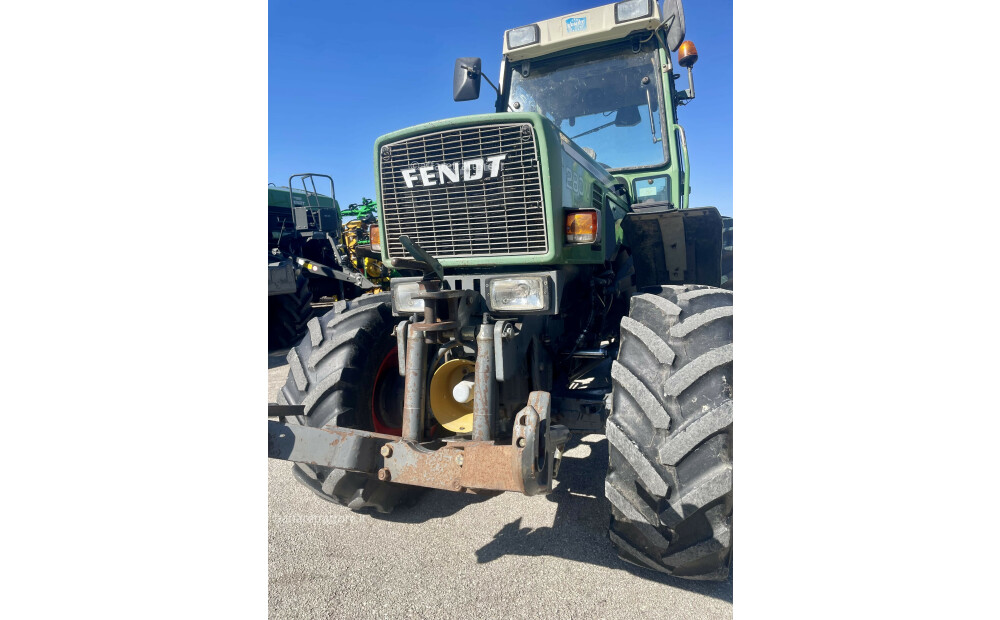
333,372
670,433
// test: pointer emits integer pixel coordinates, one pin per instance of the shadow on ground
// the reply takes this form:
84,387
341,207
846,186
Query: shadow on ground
276,358
579,530
432,504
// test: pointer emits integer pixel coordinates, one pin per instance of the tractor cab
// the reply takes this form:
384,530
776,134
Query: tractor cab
605,78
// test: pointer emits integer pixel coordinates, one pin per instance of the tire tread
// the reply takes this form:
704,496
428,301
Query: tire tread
681,469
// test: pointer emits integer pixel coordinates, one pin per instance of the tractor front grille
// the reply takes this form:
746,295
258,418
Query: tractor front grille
500,213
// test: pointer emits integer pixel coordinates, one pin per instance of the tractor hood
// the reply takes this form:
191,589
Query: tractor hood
491,190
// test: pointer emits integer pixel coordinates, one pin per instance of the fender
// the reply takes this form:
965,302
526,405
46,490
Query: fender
675,246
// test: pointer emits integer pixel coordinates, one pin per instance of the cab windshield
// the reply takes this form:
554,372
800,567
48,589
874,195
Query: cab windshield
601,99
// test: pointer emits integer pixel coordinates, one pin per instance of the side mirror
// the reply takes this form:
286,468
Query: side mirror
468,76
673,14
628,116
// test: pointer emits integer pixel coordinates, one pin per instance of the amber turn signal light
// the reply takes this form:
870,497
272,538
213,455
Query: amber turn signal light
581,227
373,237
687,55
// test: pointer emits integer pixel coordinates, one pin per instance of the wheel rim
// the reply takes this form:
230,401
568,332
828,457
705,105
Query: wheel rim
387,397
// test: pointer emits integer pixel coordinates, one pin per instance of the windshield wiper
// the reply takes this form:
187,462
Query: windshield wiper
605,126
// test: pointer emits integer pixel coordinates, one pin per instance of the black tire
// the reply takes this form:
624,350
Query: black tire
670,438
727,253
287,315
334,372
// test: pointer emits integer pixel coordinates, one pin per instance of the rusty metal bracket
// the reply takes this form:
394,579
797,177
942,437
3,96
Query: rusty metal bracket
413,388
408,462
527,465
484,408
343,448
456,304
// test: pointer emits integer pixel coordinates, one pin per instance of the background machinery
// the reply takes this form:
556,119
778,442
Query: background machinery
312,254
362,250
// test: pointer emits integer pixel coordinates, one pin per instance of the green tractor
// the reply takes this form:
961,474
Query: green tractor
566,287
311,255
362,250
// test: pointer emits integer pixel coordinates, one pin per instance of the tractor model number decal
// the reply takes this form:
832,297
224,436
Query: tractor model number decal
574,182
458,172
576,24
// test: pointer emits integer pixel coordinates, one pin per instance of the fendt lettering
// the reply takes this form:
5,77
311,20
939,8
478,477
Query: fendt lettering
459,172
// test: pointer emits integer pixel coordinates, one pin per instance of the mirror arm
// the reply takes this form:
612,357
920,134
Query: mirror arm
482,75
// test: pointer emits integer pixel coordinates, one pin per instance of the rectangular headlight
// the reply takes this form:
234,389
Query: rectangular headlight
525,35
521,293
632,9
402,297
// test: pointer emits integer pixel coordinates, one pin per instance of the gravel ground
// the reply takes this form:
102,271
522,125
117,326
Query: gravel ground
458,555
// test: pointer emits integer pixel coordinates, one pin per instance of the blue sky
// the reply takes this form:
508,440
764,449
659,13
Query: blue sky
340,74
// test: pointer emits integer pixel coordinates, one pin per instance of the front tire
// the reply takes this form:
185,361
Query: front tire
344,373
670,433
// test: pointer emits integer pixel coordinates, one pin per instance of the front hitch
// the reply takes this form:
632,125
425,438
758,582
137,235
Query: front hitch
527,465
475,462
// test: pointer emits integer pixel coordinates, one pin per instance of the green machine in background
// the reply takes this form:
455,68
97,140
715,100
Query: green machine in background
311,256
360,244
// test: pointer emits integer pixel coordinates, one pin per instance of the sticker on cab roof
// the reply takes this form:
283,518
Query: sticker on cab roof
576,24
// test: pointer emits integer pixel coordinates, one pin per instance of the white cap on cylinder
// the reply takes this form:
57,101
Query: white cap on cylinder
462,392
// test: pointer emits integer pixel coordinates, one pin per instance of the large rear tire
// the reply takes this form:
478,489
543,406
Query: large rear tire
287,315
670,477
345,373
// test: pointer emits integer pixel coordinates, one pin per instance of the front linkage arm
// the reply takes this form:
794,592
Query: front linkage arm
528,465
